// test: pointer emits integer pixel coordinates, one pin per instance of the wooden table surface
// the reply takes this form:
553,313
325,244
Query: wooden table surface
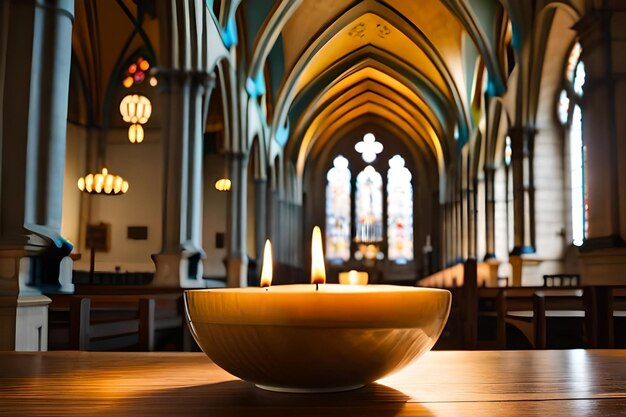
473,383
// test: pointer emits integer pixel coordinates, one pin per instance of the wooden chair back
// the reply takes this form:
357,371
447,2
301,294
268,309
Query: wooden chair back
105,326
561,280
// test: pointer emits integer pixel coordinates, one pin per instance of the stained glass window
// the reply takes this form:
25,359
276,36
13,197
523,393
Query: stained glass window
569,103
399,212
579,78
508,151
576,169
137,72
369,207
563,107
338,211
380,220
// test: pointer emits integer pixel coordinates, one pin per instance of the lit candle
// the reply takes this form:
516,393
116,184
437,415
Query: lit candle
353,277
236,326
266,272
318,272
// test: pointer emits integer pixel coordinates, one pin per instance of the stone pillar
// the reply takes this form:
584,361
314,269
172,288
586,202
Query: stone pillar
201,88
179,262
490,211
260,225
237,258
272,218
602,35
459,233
200,92
447,234
34,85
522,142
298,236
464,219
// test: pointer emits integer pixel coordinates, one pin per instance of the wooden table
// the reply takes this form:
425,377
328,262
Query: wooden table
487,383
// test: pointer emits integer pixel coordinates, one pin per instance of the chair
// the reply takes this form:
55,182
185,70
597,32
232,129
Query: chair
529,310
561,280
112,327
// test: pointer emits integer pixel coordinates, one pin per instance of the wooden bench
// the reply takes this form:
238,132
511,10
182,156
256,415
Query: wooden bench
561,280
112,331
462,281
530,310
478,309
112,322
611,306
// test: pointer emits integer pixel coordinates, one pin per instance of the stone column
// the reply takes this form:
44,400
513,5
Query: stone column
237,258
272,217
522,142
602,35
298,236
179,262
472,220
459,233
260,225
447,234
200,92
170,267
464,215
34,85
490,210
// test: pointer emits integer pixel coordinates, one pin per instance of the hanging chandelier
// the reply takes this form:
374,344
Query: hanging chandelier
103,183
135,109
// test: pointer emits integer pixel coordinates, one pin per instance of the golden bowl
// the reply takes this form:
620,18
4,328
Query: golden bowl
297,338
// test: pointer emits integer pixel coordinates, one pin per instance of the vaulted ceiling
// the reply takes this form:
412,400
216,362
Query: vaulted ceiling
320,67
414,65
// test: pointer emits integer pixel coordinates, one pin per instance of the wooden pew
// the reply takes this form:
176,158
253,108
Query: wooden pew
111,322
462,281
611,306
478,302
561,280
111,327
531,309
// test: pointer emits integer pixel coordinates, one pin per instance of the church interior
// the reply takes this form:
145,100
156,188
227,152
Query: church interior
312,207
149,147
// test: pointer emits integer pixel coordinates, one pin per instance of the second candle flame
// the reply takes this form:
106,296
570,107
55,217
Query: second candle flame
318,271
267,271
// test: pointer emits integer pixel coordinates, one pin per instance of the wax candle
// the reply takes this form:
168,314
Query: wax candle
353,277
272,336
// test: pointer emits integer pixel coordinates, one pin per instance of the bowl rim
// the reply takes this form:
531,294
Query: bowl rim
393,307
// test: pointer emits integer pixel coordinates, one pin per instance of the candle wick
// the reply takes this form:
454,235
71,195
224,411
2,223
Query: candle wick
317,286
266,289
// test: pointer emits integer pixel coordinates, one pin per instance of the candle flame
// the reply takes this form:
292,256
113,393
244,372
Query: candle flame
353,277
267,271
318,271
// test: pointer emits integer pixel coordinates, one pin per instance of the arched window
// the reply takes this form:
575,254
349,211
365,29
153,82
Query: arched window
570,115
383,209
338,210
369,210
399,212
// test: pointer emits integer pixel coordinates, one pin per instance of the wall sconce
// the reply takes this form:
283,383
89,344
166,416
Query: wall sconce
103,183
135,109
223,184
